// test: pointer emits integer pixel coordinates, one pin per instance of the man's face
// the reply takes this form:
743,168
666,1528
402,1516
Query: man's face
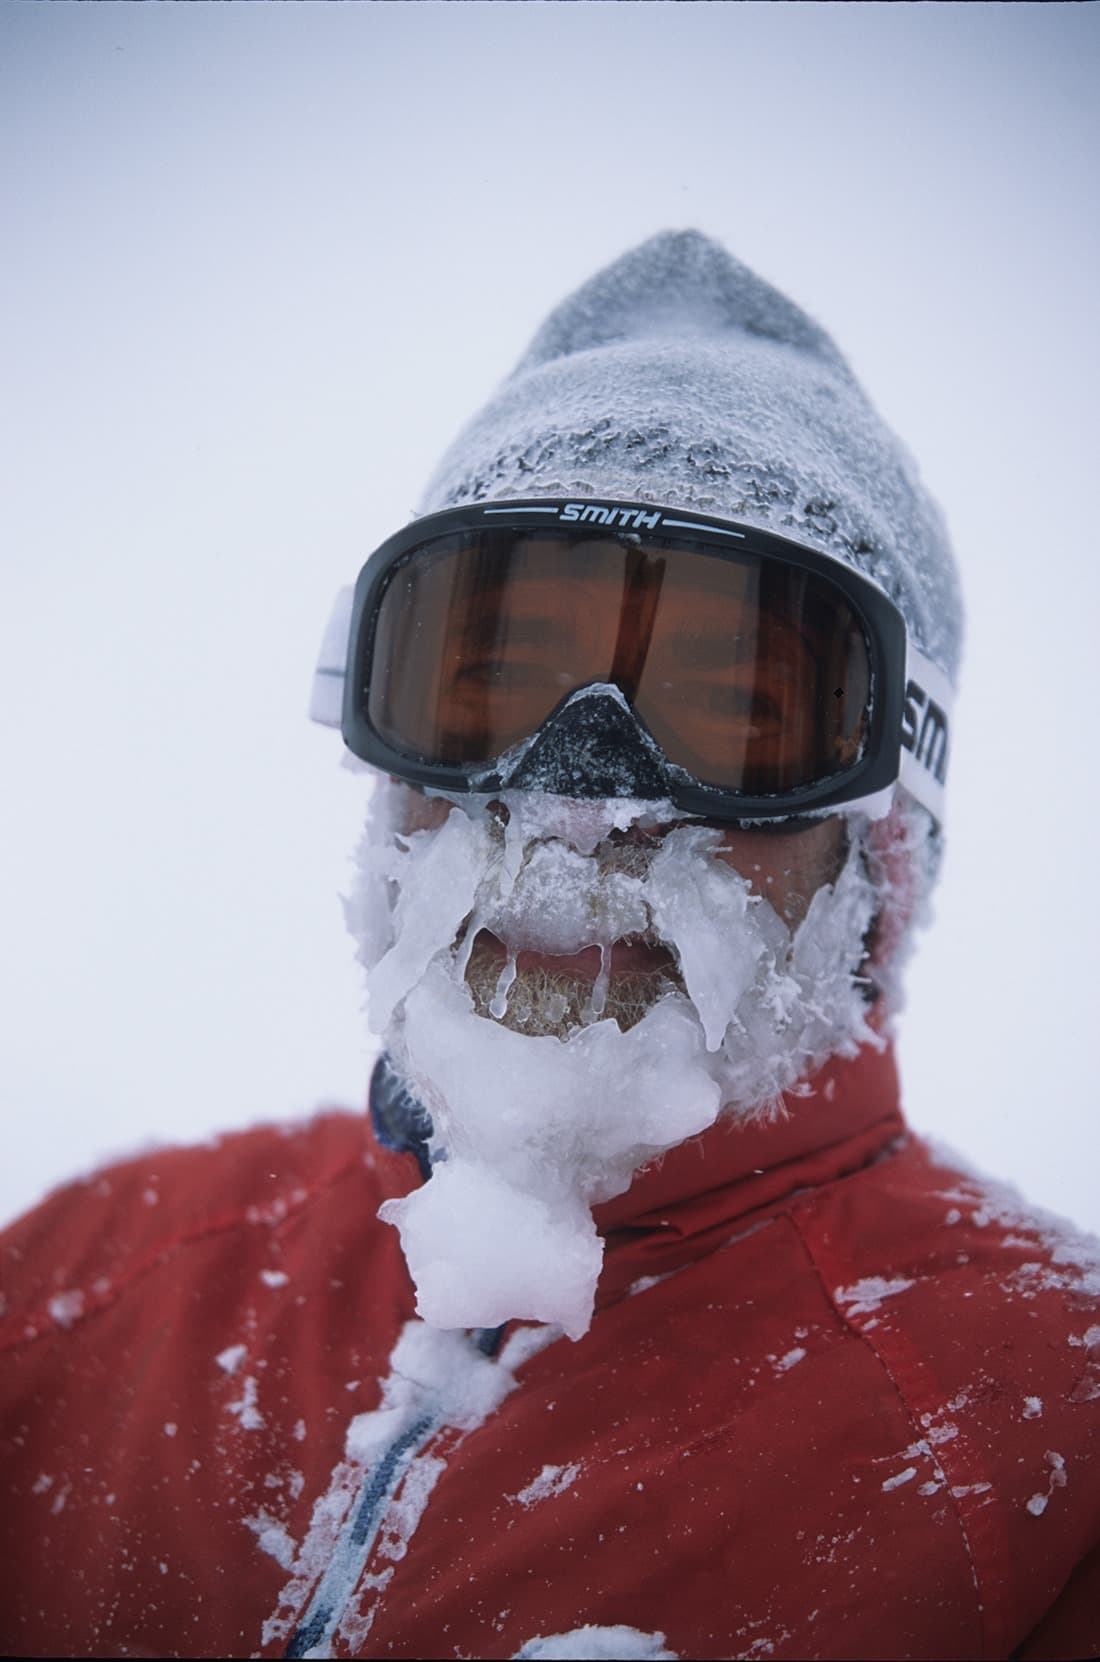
550,992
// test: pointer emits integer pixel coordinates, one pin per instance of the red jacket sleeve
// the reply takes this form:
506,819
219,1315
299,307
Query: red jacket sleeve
1070,1630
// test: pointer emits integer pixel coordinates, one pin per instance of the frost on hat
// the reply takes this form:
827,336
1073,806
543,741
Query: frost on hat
678,376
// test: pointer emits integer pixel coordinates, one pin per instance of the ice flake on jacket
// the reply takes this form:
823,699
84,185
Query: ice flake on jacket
552,1480
868,1294
230,1359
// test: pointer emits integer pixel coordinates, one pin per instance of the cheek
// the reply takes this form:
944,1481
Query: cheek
788,868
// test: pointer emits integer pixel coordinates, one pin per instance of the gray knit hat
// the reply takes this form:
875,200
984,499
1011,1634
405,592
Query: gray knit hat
678,376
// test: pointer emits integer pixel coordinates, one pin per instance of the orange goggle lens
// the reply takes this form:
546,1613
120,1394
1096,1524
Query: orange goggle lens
751,674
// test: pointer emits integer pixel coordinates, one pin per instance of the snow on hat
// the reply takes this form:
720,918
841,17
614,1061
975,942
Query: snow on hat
678,376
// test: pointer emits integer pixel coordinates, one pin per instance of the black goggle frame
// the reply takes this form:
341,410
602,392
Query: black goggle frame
891,657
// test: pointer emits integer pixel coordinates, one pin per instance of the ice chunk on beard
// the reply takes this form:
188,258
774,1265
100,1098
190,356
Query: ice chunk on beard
561,903
529,1133
526,883
432,877
807,1002
702,908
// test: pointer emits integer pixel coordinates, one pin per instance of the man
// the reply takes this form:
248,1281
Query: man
672,1340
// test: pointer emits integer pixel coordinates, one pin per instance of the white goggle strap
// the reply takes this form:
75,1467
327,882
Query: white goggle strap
326,701
925,732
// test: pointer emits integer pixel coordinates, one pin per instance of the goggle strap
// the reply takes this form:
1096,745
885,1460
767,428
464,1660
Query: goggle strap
326,699
925,731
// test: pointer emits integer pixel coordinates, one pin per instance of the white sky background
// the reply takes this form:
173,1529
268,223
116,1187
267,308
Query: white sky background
263,261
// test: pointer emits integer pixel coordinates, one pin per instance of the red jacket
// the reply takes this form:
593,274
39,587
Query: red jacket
856,1414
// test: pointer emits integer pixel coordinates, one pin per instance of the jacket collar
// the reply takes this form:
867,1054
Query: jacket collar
739,1173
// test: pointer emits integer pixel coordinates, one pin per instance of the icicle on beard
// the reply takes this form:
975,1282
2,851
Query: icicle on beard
532,1129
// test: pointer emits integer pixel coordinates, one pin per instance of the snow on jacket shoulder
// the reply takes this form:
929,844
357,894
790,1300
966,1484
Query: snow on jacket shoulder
838,1400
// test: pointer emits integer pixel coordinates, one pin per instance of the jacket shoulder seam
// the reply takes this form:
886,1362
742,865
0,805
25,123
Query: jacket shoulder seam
103,1291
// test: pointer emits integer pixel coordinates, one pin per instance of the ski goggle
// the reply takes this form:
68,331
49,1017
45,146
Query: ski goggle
621,649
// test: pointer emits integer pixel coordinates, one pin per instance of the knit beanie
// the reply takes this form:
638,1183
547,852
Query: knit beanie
678,376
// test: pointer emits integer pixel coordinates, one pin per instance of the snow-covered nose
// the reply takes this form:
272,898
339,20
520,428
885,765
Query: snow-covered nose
594,747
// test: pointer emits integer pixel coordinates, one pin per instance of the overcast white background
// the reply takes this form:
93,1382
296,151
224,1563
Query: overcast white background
262,261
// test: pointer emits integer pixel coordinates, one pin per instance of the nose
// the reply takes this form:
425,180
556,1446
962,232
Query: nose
593,747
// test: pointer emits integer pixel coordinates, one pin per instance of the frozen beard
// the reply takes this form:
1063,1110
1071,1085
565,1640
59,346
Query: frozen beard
531,1128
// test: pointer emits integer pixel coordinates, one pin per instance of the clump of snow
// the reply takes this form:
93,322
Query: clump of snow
788,1360
905,1476
937,1430
272,1538
230,1359
1033,1408
530,1132
245,1407
66,1308
551,1481
433,1372
286,1478
1038,1503
594,1644
170,1428
864,1297
274,1278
